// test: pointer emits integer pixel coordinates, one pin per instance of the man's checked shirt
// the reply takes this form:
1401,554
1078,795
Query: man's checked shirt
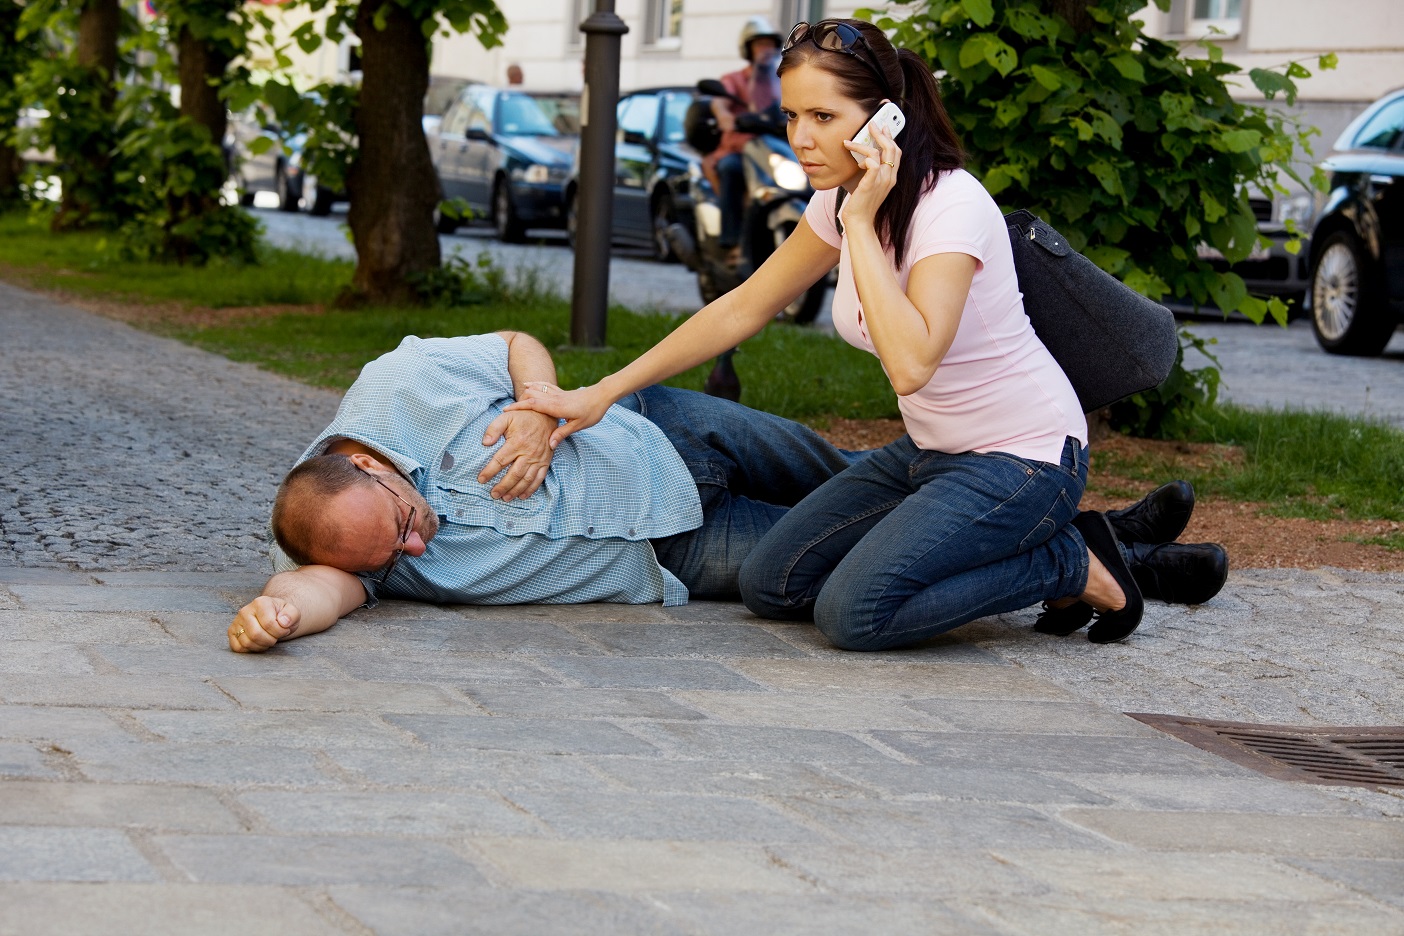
583,536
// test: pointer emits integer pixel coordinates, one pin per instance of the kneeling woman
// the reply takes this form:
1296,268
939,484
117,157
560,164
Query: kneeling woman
974,512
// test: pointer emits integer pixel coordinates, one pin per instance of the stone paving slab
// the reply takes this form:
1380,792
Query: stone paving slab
608,769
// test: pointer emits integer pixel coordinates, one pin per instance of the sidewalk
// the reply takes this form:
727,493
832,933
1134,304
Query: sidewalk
607,769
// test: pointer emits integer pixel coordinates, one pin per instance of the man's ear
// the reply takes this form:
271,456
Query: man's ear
366,462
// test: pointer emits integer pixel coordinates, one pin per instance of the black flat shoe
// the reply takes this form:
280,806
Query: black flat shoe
1101,542
1159,517
1179,573
1060,622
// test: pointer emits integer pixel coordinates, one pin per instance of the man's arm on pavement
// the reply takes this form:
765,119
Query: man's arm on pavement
304,601
527,445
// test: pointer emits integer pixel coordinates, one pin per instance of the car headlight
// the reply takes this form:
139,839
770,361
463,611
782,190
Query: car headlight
535,174
1296,209
787,173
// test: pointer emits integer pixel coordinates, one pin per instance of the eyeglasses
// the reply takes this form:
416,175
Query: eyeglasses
404,532
836,36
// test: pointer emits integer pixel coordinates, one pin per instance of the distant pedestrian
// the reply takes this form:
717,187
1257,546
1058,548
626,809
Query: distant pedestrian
514,74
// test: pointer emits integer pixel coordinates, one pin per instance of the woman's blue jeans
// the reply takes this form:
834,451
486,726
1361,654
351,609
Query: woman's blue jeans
750,468
907,543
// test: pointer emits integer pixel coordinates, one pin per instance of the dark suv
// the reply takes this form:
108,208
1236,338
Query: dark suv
1357,246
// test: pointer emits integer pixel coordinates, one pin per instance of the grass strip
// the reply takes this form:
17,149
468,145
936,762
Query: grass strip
1306,464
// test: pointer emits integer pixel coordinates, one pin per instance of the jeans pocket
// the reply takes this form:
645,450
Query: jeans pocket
1062,511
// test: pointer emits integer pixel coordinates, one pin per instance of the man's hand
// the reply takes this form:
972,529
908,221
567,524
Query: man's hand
526,453
262,623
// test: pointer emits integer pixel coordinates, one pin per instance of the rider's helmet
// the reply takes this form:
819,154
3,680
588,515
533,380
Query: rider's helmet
757,27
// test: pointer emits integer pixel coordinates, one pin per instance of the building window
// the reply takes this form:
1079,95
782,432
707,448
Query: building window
790,12
663,24
1224,16
577,11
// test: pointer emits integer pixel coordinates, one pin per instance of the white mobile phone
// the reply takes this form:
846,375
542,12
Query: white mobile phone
890,117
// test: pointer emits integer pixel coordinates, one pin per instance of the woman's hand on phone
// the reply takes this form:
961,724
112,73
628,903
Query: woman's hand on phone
881,162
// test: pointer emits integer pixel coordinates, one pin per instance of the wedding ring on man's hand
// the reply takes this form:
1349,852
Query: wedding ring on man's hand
892,165
239,633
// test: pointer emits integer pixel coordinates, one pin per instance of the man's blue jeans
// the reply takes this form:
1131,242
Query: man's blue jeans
908,543
750,468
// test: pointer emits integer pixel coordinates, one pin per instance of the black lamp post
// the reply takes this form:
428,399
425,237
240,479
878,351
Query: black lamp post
595,193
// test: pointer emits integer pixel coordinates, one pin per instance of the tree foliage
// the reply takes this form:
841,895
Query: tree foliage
1134,148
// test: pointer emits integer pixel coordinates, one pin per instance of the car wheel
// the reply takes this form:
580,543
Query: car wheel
322,202
287,198
805,308
504,216
664,214
1345,313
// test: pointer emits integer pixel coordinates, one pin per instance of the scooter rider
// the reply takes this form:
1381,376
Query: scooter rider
755,89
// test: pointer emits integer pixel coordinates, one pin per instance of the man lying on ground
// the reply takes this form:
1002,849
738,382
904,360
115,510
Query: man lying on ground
424,488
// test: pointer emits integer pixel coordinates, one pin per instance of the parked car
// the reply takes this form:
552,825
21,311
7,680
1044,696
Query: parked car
504,153
1357,245
443,91
654,170
254,169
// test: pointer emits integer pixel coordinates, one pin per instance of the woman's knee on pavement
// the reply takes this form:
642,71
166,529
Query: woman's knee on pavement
762,585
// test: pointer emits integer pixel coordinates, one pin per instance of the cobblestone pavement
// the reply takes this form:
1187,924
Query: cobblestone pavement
607,769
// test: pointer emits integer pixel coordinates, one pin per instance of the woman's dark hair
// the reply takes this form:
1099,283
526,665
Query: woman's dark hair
929,142
300,521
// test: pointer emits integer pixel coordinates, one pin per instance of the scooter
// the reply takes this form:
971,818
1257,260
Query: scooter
777,193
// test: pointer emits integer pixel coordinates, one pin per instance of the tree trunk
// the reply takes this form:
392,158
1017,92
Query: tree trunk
96,54
392,185
202,67
11,169
1075,12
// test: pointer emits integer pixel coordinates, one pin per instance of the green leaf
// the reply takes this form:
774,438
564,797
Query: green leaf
972,51
1107,174
1083,128
1272,83
1111,259
1228,291
981,12
1129,67
1046,77
1240,141
1001,56
1327,61
1213,208
260,145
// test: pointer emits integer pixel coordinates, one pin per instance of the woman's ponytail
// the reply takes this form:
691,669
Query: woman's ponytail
929,145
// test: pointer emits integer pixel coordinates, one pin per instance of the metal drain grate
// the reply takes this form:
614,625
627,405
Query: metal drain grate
1335,756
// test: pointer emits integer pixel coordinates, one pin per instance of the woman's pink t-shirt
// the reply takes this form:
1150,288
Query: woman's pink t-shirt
997,389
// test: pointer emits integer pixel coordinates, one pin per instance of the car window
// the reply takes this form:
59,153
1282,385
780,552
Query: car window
1383,130
640,115
563,110
673,114
519,113
477,120
456,120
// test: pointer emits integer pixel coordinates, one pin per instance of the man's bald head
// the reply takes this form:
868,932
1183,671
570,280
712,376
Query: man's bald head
302,523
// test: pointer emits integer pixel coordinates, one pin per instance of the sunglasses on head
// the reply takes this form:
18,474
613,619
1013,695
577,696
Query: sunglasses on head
837,36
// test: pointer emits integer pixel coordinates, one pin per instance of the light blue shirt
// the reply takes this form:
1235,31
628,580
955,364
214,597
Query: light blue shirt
583,536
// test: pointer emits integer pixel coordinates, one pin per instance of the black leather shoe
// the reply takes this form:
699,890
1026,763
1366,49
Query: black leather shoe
1101,542
1159,517
1179,573
1063,621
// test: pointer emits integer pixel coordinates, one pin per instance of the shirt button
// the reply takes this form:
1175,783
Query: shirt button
590,530
460,512
509,524
631,531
